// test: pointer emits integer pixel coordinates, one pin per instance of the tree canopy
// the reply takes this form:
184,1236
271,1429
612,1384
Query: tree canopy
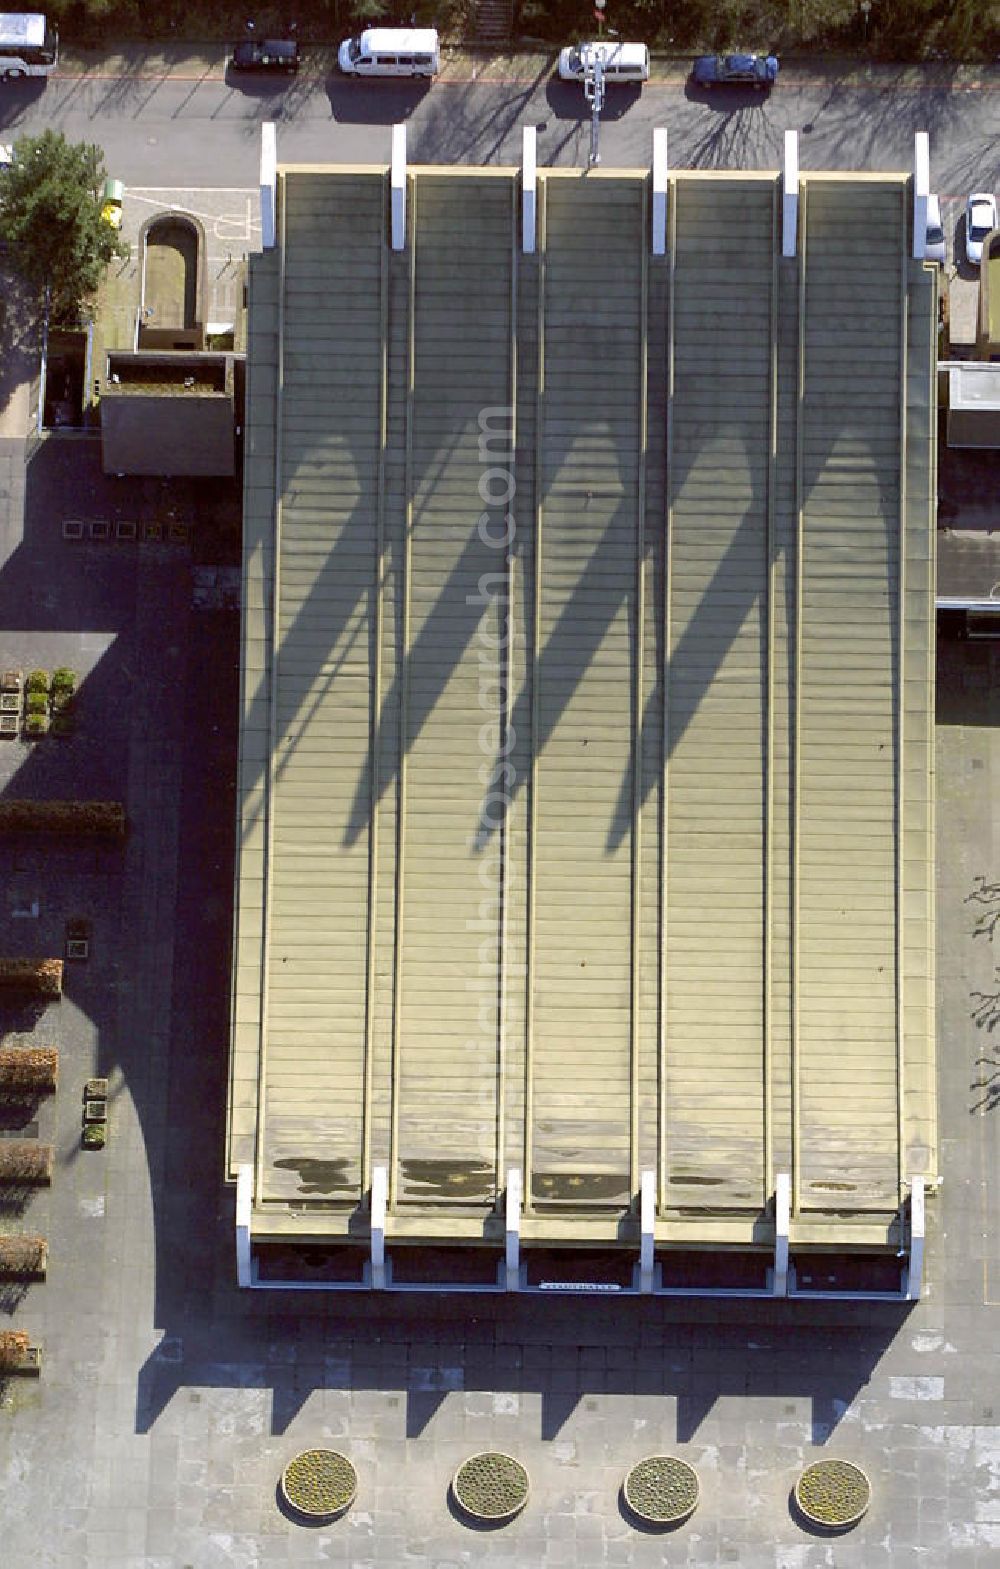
50,218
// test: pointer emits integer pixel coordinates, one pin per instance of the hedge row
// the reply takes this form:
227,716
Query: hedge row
30,1068
43,976
25,1163
23,1255
81,819
13,1349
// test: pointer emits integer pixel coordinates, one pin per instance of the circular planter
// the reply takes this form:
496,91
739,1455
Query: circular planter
490,1487
662,1490
833,1494
319,1484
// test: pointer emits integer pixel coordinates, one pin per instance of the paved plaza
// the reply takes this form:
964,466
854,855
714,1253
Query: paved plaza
169,1401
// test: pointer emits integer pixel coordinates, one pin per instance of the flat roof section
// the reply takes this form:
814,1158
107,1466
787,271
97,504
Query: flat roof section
587,822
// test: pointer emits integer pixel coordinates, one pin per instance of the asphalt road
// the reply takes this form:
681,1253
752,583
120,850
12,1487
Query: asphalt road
204,130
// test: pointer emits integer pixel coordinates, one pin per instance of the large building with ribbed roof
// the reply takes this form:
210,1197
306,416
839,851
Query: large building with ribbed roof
584,931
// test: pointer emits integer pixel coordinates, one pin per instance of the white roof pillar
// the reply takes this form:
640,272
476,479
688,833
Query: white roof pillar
790,195
647,1216
529,191
661,171
398,177
921,191
512,1260
268,182
244,1210
915,1265
380,1191
782,1221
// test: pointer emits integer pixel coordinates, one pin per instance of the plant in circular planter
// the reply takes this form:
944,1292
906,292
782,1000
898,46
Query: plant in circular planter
662,1490
833,1493
319,1484
491,1487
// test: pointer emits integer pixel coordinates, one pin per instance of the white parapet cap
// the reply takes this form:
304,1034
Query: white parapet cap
398,179
661,173
529,188
921,191
268,182
790,195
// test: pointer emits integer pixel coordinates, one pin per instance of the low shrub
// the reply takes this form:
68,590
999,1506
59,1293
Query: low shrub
63,680
85,819
31,1069
23,1163
13,1349
38,681
43,976
23,1255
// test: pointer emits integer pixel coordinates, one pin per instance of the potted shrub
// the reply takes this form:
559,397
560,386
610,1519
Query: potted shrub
833,1494
28,1070
83,819
36,725
319,1484
13,1349
25,1164
38,681
490,1487
662,1490
23,1256
43,976
62,696
94,1135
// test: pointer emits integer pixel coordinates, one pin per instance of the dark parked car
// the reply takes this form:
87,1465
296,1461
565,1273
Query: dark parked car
735,70
266,54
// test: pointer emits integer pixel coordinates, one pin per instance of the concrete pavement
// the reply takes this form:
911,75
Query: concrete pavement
170,1401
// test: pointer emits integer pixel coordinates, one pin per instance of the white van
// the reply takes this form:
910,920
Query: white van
622,62
391,51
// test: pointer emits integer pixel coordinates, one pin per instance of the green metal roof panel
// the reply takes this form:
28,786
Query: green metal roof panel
462,977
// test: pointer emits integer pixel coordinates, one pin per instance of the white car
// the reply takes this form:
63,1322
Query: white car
621,62
980,218
934,246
